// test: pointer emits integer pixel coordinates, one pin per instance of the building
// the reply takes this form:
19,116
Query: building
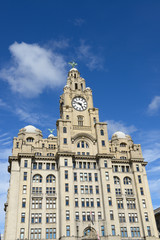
157,217
78,185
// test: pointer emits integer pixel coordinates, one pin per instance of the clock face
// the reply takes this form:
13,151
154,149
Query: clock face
79,103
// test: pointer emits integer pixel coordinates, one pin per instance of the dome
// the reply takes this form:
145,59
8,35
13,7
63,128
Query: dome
30,129
51,136
119,134
73,69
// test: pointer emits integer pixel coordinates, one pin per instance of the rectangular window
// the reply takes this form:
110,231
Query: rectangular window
23,202
35,233
65,162
113,230
39,165
24,189
68,231
50,233
139,179
84,216
50,203
105,164
77,216
111,215
75,189
80,164
96,177
144,203
87,202
97,189
92,202
103,143
128,191
83,202
121,217
98,202
119,203
75,176
146,216
67,201
149,231
109,201
133,217
131,204
22,217
94,165
34,165
76,202
25,163
66,174
90,189
67,215
36,218
82,189
25,176
141,191
124,232
48,166
137,167
90,177
118,191
37,203
99,215
108,188
115,168
66,187
135,232
107,175
22,233
65,140
102,231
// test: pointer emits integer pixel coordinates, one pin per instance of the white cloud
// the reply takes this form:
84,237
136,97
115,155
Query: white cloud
78,22
152,153
2,103
4,153
33,69
154,106
154,186
85,53
29,117
154,169
114,126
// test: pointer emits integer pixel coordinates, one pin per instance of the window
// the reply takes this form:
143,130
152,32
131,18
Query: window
105,164
94,165
92,202
137,167
75,176
127,180
149,231
85,177
67,117
102,231
122,168
98,202
37,178
75,189
94,120
76,202
118,191
64,130
35,233
115,168
128,191
25,176
83,202
139,179
37,203
80,165
50,179
133,217
50,217
50,233
39,165
135,232
107,175
24,189
108,188
65,140
66,174
97,189
34,165
68,231
109,201
76,85
36,190
90,177
65,162
90,189
80,120
127,168
103,143
131,204
67,201
123,144
30,139
124,232
36,218
22,233
17,144
111,215
87,202
50,203
77,215
67,215
113,230
121,217
48,166
146,216
102,132
22,217
120,203
25,163
82,86
66,187
50,190
88,165
141,191
96,177
116,180
43,145
82,189
144,203
23,202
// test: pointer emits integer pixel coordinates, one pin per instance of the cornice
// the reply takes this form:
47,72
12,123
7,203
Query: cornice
104,155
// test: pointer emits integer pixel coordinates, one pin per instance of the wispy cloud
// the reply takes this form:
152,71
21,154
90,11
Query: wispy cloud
114,126
154,106
79,22
2,103
4,153
26,116
33,68
86,53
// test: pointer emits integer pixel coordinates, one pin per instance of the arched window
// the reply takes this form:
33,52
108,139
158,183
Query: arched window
80,120
127,180
64,130
30,139
82,86
116,180
89,230
50,154
123,144
37,178
50,178
102,132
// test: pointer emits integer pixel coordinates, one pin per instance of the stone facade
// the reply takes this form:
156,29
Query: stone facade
78,185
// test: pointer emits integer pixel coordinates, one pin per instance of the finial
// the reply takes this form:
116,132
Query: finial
51,130
73,64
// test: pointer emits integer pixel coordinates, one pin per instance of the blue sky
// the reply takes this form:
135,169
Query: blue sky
116,45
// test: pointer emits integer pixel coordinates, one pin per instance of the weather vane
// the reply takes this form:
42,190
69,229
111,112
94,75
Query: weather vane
73,64
51,130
